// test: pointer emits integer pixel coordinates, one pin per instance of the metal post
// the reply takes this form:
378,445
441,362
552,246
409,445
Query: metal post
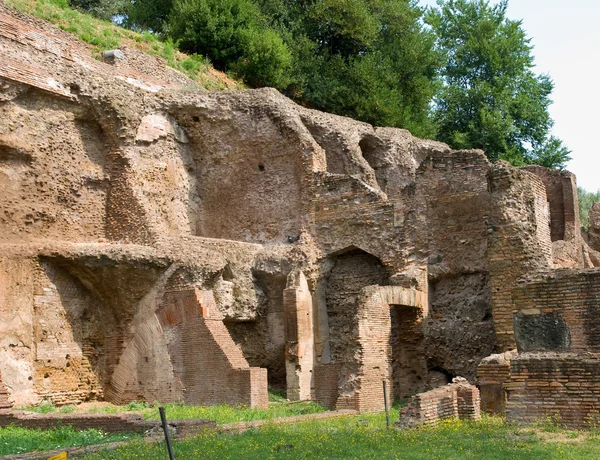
385,402
163,419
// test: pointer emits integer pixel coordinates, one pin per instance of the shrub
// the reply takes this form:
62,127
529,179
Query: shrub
234,35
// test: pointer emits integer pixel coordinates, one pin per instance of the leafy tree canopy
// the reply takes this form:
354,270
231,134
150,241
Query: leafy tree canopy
368,59
586,200
149,14
491,99
104,9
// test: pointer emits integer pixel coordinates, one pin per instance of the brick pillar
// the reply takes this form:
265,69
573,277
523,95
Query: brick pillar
365,392
493,373
518,239
299,350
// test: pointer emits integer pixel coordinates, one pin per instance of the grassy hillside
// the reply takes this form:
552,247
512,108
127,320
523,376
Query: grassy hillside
102,35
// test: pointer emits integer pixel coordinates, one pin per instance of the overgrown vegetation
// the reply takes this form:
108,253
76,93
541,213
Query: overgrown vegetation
586,200
461,72
362,437
101,35
223,413
14,440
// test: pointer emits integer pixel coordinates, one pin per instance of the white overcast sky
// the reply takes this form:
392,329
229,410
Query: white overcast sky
566,39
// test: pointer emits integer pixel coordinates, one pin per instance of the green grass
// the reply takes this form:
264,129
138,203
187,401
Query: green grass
227,414
103,35
14,440
278,407
365,437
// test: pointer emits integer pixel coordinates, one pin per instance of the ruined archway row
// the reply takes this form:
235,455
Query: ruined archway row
146,225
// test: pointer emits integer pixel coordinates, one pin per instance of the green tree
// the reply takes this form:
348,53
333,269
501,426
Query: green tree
586,200
491,99
103,9
235,36
370,60
149,14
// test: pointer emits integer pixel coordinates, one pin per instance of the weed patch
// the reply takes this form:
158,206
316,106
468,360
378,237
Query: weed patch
15,440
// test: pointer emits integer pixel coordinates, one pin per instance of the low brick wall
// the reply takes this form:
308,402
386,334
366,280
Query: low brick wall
492,374
109,423
561,385
456,400
326,384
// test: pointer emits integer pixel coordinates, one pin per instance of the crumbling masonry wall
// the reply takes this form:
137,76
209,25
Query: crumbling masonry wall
564,386
458,400
209,365
558,311
518,239
143,219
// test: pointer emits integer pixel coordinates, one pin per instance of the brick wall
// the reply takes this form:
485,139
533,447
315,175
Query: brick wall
67,369
408,356
492,374
558,311
210,366
518,239
451,190
346,212
326,384
456,400
126,219
374,333
562,385
109,423
4,399
561,191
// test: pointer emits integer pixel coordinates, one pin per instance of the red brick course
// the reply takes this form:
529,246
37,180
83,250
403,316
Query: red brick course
456,400
210,366
565,386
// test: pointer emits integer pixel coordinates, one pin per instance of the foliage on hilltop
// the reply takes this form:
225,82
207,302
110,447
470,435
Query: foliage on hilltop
462,72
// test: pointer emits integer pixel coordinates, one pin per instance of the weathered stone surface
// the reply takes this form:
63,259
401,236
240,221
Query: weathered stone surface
332,253
594,227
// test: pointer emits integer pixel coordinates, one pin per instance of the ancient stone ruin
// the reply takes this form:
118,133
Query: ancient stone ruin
163,243
457,400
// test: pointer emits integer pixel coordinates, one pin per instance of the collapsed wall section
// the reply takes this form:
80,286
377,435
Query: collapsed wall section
206,361
451,196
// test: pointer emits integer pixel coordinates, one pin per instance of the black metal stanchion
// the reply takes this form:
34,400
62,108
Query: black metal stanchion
385,402
163,419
